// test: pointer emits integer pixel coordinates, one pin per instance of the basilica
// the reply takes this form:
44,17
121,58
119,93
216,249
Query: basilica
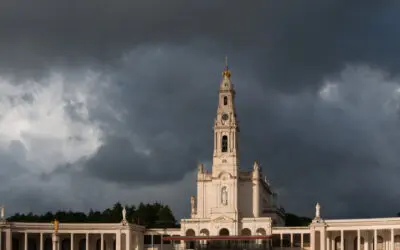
232,205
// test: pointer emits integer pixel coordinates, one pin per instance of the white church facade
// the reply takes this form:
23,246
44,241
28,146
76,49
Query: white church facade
229,198
231,204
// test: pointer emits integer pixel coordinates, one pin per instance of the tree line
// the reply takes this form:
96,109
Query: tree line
154,215
292,220
148,215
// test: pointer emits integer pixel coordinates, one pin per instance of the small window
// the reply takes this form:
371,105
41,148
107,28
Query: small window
224,143
225,100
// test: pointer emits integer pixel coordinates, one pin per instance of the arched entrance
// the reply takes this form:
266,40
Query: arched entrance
246,232
190,244
380,243
224,232
204,232
261,232
337,243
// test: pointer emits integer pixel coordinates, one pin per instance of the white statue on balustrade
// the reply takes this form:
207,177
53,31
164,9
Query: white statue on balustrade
124,221
317,211
2,213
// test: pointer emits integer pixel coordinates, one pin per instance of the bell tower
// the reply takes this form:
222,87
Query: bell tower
226,128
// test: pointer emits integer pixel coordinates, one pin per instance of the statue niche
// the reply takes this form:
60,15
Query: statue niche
192,205
224,196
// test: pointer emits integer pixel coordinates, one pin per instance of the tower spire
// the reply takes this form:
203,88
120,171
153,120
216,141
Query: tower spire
226,127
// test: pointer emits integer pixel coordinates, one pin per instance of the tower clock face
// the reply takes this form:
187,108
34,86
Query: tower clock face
225,117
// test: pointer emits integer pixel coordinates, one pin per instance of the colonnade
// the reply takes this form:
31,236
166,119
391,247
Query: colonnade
355,239
304,240
74,240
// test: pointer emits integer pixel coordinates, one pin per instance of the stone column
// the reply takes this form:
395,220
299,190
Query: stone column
118,240
87,241
55,239
128,240
41,242
375,239
359,239
301,240
392,239
8,239
322,240
328,241
25,241
281,240
71,242
291,240
135,241
102,241
312,239
341,240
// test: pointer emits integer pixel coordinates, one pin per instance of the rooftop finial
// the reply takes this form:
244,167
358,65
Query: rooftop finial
226,72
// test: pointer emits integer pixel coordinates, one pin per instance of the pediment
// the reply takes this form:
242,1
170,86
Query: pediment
223,219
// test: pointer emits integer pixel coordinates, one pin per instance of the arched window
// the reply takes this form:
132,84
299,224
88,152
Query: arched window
225,100
355,244
224,232
224,143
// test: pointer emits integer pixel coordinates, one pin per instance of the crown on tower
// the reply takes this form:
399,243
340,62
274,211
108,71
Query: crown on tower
226,72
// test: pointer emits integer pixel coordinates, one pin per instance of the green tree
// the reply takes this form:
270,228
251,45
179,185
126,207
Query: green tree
165,217
292,220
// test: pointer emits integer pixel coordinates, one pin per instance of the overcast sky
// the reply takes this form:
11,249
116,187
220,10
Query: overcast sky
104,101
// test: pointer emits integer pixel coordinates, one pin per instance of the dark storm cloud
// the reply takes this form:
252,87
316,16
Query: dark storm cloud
287,38
168,116
163,60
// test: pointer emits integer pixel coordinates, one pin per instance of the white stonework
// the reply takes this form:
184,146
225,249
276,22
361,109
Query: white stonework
229,201
228,197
